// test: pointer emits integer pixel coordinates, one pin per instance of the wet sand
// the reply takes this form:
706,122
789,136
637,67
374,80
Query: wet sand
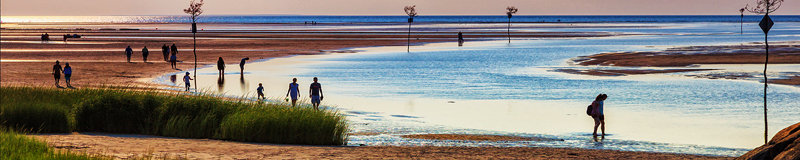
98,57
470,137
130,146
752,53
107,67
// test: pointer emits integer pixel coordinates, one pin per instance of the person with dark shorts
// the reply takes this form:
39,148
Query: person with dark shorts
294,90
316,93
67,74
145,53
128,52
597,114
260,91
173,61
57,73
187,80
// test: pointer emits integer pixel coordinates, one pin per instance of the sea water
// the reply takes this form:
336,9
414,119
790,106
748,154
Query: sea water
496,87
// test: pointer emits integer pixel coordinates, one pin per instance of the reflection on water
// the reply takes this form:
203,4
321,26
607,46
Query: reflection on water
221,84
500,87
242,82
173,78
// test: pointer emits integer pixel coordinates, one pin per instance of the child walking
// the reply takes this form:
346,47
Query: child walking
187,80
260,91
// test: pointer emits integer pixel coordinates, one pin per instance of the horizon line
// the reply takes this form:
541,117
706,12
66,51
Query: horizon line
417,16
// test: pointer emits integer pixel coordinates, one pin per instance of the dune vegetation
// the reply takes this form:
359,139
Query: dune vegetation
137,111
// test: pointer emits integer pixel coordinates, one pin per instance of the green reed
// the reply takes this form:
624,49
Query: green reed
15,146
125,110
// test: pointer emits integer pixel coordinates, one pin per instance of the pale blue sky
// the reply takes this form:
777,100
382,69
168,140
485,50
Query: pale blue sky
383,7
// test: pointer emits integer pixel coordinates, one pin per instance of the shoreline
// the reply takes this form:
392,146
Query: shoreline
147,72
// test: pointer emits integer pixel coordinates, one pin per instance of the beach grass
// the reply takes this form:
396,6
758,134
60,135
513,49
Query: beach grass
14,146
135,111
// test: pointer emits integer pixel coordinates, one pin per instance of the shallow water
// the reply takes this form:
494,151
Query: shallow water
501,88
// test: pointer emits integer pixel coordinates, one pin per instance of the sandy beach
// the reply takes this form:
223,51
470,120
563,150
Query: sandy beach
129,146
98,59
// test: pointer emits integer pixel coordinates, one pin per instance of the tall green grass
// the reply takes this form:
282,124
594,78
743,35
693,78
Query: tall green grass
15,146
115,110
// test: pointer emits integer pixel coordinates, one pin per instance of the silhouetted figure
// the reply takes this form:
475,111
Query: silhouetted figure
460,38
173,61
187,80
260,91
128,53
66,36
174,49
315,90
294,90
597,114
221,66
57,73
145,53
165,51
241,65
46,37
67,74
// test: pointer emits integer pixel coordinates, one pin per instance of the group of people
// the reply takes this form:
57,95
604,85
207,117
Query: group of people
67,70
45,37
170,54
315,92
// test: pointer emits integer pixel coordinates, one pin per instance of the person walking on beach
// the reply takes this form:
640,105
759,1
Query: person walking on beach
187,80
165,51
241,65
460,38
260,91
145,53
315,90
597,114
129,52
57,73
67,74
174,49
173,60
221,66
294,90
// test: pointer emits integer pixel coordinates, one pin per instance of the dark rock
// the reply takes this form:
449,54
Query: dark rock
785,145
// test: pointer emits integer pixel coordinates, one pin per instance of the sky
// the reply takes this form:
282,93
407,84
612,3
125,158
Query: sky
382,7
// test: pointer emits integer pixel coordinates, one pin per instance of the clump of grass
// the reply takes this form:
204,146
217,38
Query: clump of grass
15,146
35,117
295,125
126,112
187,116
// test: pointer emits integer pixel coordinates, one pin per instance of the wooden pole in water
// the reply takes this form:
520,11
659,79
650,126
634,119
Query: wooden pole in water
766,61
194,50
